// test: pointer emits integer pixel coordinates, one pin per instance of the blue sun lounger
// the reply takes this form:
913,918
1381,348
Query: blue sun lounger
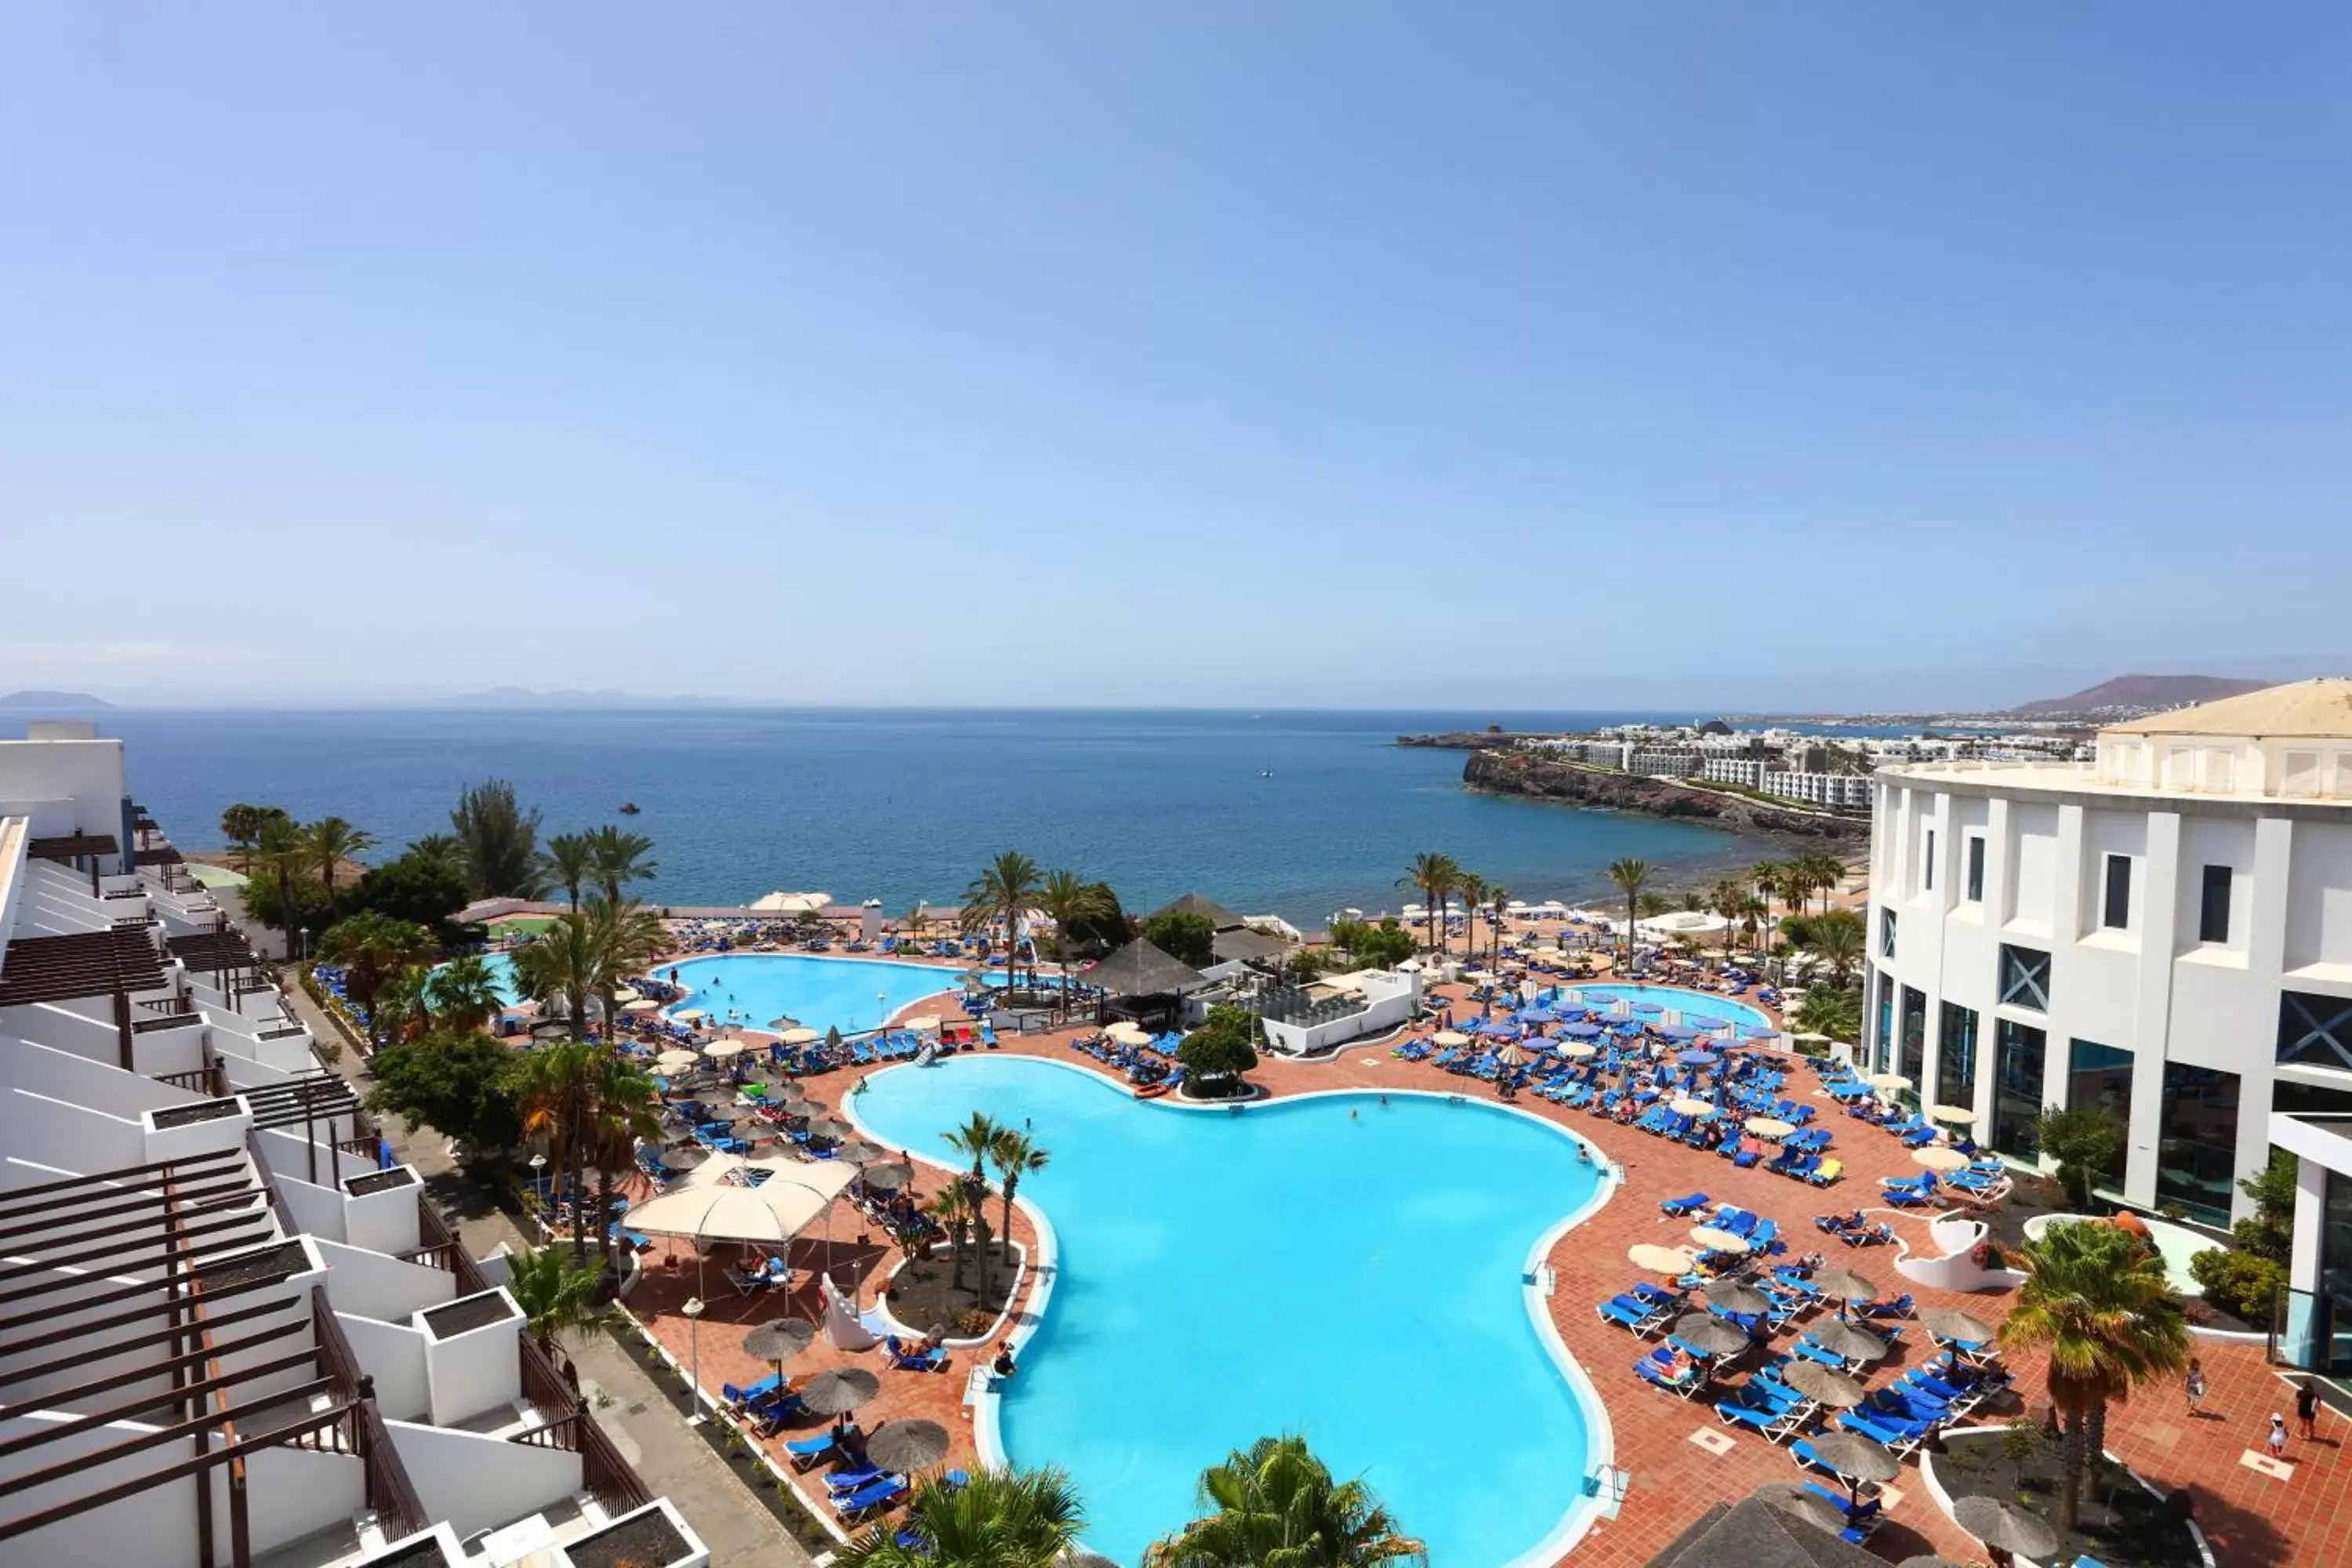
879,1494
1680,1206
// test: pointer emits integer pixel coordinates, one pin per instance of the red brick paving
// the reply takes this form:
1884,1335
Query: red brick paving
2252,1519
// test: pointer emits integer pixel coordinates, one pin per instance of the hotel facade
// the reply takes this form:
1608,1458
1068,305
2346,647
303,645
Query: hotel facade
232,1330
2165,930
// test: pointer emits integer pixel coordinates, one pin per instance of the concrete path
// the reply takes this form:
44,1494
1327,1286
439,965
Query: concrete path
672,1459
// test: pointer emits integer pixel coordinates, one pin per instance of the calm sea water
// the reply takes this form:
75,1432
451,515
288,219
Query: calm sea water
899,805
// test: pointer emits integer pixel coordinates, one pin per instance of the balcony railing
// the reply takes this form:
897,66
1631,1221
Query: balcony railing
437,1248
566,1424
390,1493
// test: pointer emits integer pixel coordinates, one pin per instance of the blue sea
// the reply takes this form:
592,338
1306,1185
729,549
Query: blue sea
906,803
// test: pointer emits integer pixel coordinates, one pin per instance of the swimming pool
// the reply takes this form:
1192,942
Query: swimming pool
1331,1266
821,993
1698,1008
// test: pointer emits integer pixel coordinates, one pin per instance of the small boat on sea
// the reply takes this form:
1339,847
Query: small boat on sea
628,808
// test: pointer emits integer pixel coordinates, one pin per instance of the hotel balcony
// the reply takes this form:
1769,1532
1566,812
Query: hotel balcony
221,1309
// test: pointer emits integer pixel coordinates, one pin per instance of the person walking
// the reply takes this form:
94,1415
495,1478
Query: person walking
2196,1385
2307,1410
2277,1444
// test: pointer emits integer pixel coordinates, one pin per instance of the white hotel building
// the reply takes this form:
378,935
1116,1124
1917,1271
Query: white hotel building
2166,931
230,1332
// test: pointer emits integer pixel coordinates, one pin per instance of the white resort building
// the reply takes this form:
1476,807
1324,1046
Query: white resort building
2166,931
230,1332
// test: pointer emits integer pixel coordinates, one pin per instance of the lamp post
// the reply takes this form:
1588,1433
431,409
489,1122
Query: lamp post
302,941
538,1176
881,1008
693,1311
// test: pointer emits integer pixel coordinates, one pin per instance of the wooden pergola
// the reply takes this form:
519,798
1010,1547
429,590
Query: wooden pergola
81,966
214,1319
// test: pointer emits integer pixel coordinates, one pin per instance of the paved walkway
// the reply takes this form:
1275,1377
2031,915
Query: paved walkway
672,1460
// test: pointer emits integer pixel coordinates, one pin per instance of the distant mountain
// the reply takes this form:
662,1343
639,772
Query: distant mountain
47,700
523,696
2142,694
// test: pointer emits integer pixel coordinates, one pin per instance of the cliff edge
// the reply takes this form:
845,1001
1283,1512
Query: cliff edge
1527,773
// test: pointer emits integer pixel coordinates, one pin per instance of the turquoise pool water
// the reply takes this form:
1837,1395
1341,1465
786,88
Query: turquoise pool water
821,993
1694,1005
1336,1266
502,968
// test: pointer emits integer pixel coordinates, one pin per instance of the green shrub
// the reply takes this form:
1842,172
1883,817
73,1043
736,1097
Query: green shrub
2240,1283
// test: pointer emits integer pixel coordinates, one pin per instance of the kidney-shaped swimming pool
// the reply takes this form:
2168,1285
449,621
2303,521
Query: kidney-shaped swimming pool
1349,1267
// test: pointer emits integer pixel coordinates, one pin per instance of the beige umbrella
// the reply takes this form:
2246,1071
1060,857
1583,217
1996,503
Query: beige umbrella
1937,1158
802,1037
641,1004
676,1061
1449,1038
1809,1039
1688,1107
1716,1239
1888,1080
710,1208
1998,1524
1575,1050
627,994
1124,1029
1656,1259
1511,1057
1768,1127
1478,976
690,1014
922,1022
1957,1115
1824,1385
719,1050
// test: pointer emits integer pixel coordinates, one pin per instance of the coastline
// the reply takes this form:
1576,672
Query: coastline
1522,775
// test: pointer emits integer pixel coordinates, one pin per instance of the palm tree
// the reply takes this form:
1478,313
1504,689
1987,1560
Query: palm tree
567,862
440,851
556,1086
1436,876
284,853
242,826
1770,878
1498,898
2097,1301
1727,898
333,841
915,921
620,1117
403,1005
976,1137
1631,876
1014,1154
1471,888
372,949
558,1298
620,858
463,993
1825,1011
1276,1504
565,967
997,1519
627,937
952,1206
1006,890
1068,899
1825,874
1837,940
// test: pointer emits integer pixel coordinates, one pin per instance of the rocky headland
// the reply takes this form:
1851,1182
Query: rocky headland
1502,771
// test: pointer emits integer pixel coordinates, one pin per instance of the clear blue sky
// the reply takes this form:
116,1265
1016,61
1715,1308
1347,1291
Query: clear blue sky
1715,353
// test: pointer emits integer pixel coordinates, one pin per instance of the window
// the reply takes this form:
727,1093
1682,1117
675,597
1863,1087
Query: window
1886,933
1956,1057
2101,1076
2024,978
1884,1055
2114,911
2302,773
1914,1040
2018,1050
2315,1030
1927,865
1976,868
2197,1152
2213,906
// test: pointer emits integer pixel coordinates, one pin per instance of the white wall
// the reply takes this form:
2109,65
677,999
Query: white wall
477,1483
394,1354
2319,901
375,1285
39,1131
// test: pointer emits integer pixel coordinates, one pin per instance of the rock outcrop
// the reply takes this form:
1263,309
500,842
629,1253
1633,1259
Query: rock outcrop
1529,773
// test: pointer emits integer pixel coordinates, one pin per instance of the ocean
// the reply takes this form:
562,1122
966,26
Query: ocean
1299,814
